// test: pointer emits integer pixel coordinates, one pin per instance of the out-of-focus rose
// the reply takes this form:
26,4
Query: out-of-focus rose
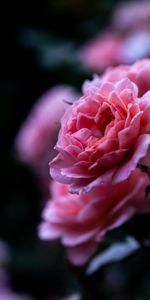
102,51
109,49
132,15
105,134
81,221
38,134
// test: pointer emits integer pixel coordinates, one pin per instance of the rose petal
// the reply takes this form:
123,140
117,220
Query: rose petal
138,152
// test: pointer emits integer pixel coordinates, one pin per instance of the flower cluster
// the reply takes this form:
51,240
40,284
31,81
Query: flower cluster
103,145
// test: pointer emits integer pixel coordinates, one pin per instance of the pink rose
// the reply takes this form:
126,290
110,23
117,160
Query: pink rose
81,221
105,134
102,51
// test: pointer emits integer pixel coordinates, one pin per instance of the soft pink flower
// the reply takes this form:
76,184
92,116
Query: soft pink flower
101,52
106,133
109,49
132,15
81,221
38,134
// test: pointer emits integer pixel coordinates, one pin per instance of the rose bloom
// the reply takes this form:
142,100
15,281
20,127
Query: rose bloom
81,221
38,134
132,15
106,133
101,52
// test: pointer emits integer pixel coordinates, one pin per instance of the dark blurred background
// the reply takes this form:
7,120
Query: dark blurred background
39,45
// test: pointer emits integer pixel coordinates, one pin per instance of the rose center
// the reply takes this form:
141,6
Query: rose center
105,118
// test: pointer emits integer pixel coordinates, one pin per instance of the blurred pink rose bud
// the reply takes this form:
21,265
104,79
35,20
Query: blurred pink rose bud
106,133
132,15
81,221
38,134
101,52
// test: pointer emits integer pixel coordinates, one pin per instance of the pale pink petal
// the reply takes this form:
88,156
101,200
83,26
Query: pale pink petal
49,231
79,255
76,238
138,152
